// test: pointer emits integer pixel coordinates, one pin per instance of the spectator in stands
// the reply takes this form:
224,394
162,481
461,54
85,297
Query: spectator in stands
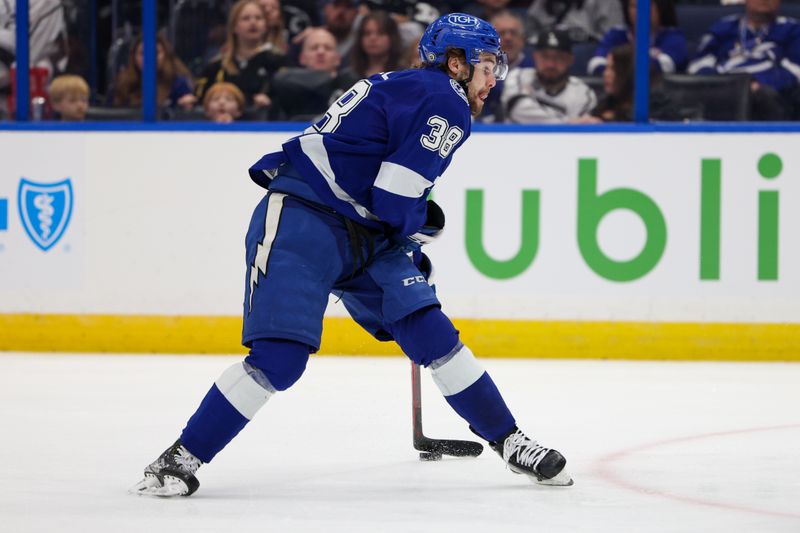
173,80
277,35
223,102
763,44
69,97
547,93
668,49
341,19
303,93
512,39
486,9
617,103
47,43
378,47
247,59
584,20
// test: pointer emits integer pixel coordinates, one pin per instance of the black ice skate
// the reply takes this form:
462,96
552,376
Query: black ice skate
526,456
172,474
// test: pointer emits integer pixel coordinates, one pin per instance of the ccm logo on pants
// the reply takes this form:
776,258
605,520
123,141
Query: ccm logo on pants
411,281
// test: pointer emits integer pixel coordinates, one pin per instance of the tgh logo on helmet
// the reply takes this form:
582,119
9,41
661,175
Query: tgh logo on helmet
464,20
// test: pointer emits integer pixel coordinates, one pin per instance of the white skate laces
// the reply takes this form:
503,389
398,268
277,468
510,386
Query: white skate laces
526,456
186,461
172,474
529,452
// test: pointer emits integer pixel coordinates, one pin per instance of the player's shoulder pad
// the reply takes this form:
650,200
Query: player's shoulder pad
459,90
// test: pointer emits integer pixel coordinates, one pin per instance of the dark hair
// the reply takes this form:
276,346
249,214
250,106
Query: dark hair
128,85
620,102
666,13
386,24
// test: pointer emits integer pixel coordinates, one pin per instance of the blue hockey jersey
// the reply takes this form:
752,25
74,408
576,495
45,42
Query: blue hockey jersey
668,50
771,55
378,151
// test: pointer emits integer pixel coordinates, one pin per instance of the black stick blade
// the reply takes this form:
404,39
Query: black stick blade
455,448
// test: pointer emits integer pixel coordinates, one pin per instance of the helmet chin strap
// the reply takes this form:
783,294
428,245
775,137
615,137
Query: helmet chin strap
465,82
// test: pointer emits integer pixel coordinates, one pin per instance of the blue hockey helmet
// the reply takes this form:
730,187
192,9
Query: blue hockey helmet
466,32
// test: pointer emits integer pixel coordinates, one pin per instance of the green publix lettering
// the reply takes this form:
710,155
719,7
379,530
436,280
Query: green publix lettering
592,207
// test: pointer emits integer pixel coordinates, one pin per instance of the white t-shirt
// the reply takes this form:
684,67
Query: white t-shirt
525,100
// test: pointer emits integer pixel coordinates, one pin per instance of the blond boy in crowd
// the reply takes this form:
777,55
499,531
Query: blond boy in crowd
69,97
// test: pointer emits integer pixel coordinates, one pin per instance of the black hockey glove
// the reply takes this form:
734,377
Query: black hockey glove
433,227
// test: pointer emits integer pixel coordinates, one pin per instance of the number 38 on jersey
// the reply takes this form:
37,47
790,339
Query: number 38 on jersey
443,137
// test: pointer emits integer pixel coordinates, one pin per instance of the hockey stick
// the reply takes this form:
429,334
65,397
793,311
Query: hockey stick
433,449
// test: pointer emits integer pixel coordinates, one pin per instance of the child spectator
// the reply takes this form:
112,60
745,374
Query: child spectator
247,60
668,48
223,102
69,97
173,80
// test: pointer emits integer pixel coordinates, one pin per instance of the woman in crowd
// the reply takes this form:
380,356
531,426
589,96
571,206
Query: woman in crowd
378,46
618,83
247,59
173,80
668,48
277,36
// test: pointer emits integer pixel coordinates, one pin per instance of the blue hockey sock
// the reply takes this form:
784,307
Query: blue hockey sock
472,394
228,406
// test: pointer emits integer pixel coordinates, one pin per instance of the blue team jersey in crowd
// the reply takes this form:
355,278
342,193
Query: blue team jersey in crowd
668,49
378,150
771,55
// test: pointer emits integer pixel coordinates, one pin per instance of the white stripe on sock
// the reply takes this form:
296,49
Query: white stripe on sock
242,391
458,373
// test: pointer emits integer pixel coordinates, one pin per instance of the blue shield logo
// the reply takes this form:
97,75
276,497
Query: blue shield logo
45,210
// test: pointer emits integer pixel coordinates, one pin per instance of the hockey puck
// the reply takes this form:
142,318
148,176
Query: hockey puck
429,456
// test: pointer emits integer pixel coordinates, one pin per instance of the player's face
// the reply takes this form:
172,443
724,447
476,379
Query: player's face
250,24
481,84
72,107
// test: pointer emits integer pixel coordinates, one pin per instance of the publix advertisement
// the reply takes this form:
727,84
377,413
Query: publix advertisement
602,226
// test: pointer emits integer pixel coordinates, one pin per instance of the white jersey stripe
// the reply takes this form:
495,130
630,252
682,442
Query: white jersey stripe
242,391
263,249
401,180
461,371
315,150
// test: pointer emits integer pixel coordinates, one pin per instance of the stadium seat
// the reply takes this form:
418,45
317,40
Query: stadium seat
710,97
105,114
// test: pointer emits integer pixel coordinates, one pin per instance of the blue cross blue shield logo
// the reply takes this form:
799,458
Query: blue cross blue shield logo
45,210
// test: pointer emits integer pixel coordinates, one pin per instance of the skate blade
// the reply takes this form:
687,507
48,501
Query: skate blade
146,486
151,486
562,479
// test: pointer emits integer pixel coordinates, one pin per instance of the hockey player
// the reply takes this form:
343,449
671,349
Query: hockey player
346,204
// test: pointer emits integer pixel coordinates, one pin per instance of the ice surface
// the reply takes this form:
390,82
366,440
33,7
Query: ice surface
653,447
